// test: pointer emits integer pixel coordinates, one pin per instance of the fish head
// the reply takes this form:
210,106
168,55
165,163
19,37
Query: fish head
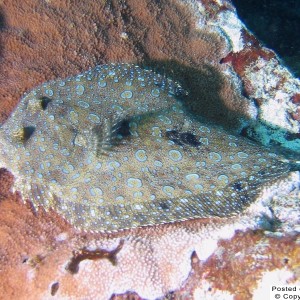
18,132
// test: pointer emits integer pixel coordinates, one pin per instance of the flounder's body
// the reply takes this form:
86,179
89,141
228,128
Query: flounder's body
60,144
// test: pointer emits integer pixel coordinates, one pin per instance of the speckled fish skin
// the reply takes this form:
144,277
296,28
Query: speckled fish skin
170,168
95,102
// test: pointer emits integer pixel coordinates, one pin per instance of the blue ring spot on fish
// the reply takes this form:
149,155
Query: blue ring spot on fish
102,83
204,141
223,178
80,90
242,155
49,92
175,155
190,177
215,156
236,166
134,182
140,155
155,93
158,163
94,118
83,104
198,186
137,194
204,129
126,94
169,190
95,191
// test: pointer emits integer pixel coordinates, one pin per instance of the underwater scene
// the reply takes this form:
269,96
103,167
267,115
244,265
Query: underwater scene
149,149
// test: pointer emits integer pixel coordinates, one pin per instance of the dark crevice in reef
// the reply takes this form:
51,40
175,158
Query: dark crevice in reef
2,19
54,288
2,28
82,254
277,24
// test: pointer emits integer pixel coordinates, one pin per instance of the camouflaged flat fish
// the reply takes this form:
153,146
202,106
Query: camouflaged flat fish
113,148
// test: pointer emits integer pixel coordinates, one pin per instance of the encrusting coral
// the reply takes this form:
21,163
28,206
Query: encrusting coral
42,255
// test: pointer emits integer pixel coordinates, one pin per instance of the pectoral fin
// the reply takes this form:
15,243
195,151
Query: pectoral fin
107,135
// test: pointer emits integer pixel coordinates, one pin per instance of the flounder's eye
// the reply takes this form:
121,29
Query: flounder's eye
35,105
28,132
44,102
24,134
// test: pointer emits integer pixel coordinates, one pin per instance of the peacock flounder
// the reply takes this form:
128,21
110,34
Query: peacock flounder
113,148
